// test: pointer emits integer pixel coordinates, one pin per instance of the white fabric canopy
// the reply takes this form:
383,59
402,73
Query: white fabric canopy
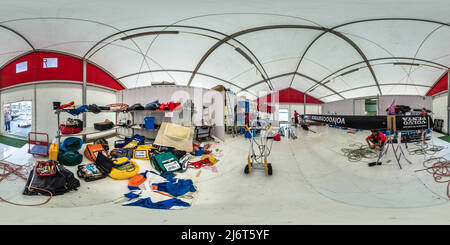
247,46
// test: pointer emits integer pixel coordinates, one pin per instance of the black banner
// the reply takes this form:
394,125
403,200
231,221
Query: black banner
374,122
229,234
413,122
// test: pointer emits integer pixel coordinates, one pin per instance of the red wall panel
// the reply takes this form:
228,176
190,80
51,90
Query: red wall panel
69,68
9,76
97,76
290,95
440,86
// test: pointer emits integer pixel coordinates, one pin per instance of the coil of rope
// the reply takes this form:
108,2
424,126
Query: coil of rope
358,151
20,172
439,167
425,149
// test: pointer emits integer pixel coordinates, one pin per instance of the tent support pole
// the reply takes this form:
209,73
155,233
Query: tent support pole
448,101
84,96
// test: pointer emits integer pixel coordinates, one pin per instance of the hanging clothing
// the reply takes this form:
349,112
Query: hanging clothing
151,190
392,110
78,111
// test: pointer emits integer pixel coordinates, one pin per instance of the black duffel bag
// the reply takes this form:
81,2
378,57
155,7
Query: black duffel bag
104,125
60,181
136,107
74,123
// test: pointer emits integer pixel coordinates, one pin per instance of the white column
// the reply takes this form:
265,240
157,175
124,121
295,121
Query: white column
304,103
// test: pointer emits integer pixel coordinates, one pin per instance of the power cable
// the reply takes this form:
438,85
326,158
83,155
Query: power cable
439,167
21,172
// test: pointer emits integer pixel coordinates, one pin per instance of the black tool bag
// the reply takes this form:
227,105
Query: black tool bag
104,125
136,107
63,181
102,142
305,127
122,143
162,149
95,171
179,154
104,163
122,152
74,123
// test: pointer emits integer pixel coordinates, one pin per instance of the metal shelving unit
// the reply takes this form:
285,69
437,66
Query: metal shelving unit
86,130
162,116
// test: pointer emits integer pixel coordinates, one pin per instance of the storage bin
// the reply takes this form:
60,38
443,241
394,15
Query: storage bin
149,122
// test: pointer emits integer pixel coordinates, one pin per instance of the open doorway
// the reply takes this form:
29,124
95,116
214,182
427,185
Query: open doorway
283,115
371,107
17,118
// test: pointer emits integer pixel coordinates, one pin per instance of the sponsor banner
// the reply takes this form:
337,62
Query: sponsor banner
413,122
373,122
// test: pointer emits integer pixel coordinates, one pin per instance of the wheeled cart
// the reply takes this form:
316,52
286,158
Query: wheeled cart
257,158
38,147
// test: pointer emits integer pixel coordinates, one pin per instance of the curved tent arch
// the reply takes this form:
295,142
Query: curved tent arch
362,21
234,35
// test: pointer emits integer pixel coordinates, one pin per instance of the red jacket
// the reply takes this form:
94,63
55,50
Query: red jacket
377,137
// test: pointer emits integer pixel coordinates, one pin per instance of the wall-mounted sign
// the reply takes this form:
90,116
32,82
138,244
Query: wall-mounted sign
50,62
22,66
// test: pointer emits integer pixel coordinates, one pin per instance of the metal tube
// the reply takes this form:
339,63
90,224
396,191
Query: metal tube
448,101
84,95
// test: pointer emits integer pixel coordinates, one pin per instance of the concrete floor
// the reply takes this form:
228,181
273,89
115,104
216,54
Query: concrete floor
312,183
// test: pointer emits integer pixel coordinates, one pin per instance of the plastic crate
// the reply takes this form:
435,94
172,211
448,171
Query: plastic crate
149,122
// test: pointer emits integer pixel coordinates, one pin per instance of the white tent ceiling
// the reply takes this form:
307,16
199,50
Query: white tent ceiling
306,45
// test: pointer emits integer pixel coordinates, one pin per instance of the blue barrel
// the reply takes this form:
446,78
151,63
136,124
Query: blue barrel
149,122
